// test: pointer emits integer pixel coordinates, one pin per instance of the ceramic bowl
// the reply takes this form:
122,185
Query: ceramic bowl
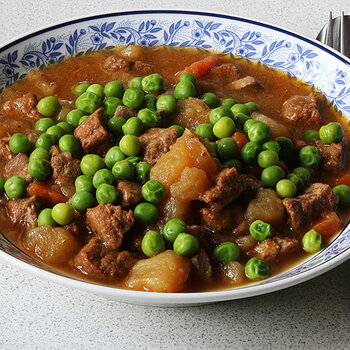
271,46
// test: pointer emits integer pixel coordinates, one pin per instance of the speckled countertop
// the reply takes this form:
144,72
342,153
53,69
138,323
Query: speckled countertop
36,314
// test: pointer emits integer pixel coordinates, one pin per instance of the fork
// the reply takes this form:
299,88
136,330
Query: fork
336,33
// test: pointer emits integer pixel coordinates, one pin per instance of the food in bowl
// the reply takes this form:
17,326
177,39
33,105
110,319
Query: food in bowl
170,170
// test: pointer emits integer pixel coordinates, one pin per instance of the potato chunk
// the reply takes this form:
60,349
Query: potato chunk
166,272
277,128
233,273
53,245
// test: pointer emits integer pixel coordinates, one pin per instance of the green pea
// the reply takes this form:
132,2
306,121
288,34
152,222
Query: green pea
81,88
210,99
43,124
133,98
248,124
226,252
102,176
114,89
110,105
74,116
146,213
19,143
286,188
56,131
312,241
297,180
45,141
271,146
39,169
83,118
205,130
332,132
249,152
240,108
135,83
167,103
310,157
68,129
82,200
267,158
152,243
134,160
224,127
257,269
153,83
287,147
228,148
186,245
218,113
235,163
180,129
2,184
240,120
311,135
260,230
228,103
69,143
149,117
150,101
343,193
15,187
113,155
153,191
259,133
143,170
130,145
252,106
48,106
304,174
115,125
106,193
188,77
45,218
173,228
88,102
123,170
63,213
97,89
184,90
271,175
133,126
84,183
90,163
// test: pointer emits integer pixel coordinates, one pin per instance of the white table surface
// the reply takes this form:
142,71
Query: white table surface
36,314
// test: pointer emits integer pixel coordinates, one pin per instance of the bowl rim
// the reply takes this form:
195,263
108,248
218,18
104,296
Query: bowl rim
151,298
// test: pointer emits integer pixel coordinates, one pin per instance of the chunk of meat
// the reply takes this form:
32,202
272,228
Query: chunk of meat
304,210
92,133
17,166
155,142
65,168
226,72
302,111
77,225
109,223
202,234
201,265
5,152
272,249
130,192
124,112
98,262
115,64
24,106
25,211
247,82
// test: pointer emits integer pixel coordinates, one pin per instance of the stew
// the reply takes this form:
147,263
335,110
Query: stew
170,170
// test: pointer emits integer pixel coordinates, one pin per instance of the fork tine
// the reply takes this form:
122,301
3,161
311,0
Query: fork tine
342,34
329,38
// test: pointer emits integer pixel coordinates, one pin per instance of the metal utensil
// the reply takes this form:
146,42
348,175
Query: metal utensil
336,33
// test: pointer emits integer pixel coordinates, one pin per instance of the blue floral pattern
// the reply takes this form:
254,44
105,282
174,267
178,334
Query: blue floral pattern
267,46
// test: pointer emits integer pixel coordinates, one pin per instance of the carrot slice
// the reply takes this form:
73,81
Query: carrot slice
241,138
49,193
329,225
200,68
344,180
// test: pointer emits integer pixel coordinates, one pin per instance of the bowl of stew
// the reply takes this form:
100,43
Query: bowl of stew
173,157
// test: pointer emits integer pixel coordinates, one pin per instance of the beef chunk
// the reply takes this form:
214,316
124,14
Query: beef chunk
24,106
247,82
202,234
17,166
130,192
155,142
65,168
5,152
77,225
308,207
92,133
95,260
302,110
226,72
25,211
273,248
201,265
218,220
142,68
118,64
124,112
109,223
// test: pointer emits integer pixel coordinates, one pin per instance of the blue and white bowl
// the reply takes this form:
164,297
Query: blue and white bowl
273,47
